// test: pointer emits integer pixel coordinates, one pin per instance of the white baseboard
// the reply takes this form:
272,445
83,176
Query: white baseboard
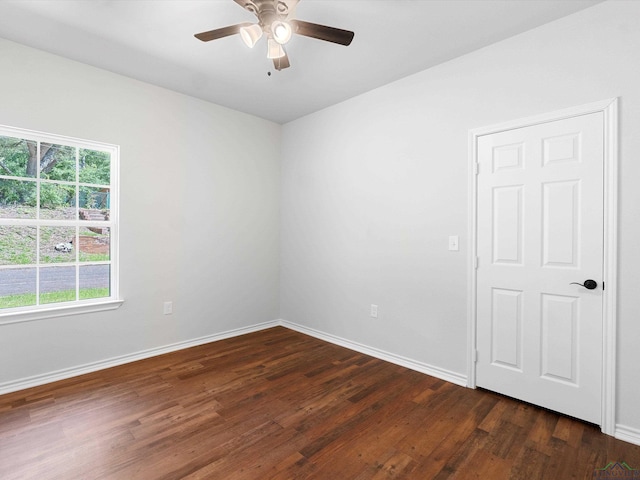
628,434
63,374
437,372
622,432
37,380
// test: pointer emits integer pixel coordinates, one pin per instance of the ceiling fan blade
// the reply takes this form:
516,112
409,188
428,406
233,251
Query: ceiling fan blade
220,32
282,62
322,32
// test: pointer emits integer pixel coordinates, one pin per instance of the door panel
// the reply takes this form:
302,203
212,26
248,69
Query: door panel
559,337
507,225
540,228
506,328
561,202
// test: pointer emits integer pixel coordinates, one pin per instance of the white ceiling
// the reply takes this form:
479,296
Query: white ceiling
152,40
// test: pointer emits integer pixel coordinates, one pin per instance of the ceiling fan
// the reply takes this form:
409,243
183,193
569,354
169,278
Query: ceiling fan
275,22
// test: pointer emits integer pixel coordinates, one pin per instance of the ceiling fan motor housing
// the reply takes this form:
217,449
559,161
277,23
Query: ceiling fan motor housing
267,11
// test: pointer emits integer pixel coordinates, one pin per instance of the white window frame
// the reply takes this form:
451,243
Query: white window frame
50,310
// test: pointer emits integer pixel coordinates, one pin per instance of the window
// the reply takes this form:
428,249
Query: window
58,222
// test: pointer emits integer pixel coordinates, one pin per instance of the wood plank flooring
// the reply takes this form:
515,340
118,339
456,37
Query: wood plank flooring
281,405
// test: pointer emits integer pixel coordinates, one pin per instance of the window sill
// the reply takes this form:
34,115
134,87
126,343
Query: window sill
62,311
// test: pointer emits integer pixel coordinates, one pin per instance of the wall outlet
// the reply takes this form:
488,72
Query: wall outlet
374,311
168,308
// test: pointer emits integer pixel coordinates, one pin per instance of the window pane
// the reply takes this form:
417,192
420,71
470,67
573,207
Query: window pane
57,244
17,245
94,204
95,167
94,244
17,287
95,281
18,157
57,284
57,202
17,199
58,162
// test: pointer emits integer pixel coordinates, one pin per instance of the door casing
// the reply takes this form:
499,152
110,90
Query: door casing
610,235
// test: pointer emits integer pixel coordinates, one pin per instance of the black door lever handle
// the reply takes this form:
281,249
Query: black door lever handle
588,284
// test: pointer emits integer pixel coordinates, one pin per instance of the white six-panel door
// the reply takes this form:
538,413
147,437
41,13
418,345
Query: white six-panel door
539,230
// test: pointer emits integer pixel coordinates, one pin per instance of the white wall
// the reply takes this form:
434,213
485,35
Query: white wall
372,187
199,212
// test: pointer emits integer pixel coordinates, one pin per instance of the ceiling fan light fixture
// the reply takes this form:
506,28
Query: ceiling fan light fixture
276,21
274,49
250,35
281,31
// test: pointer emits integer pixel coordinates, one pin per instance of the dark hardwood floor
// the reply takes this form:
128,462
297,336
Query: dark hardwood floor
281,405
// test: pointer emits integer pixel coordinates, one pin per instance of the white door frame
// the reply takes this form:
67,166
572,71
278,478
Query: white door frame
610,235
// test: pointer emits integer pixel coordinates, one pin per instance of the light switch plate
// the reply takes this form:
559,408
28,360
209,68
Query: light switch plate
168,308
453,243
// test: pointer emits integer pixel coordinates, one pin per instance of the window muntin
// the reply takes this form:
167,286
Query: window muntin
58,222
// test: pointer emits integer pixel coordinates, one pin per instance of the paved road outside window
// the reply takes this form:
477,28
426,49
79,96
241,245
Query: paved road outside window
17,281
